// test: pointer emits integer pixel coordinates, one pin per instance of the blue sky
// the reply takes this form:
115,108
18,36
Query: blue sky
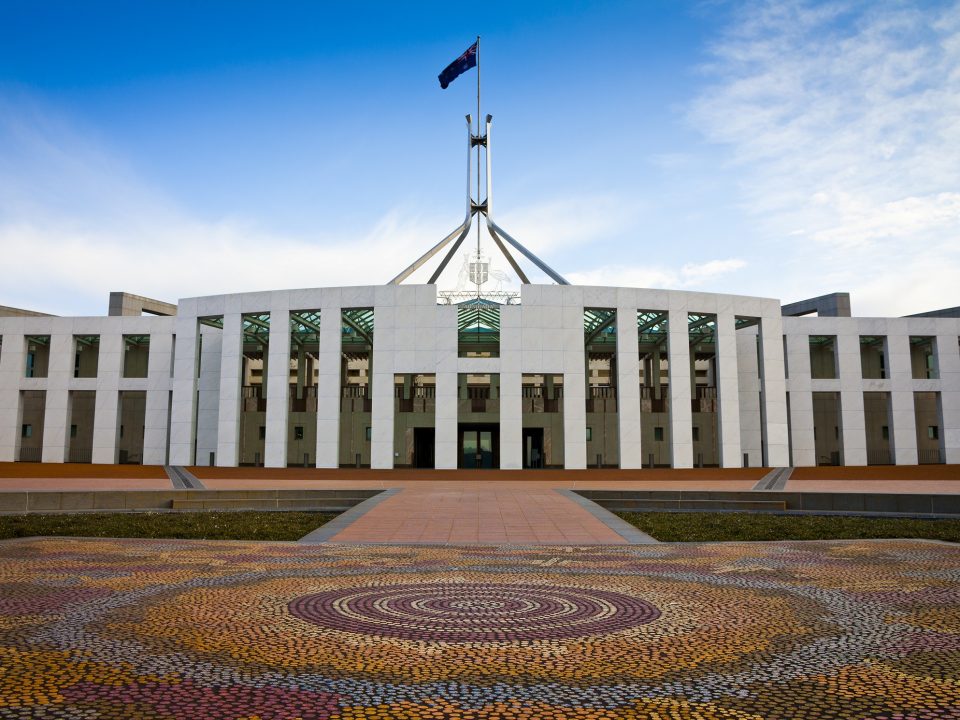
784,149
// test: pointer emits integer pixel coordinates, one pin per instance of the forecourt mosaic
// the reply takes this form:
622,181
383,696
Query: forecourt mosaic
276,631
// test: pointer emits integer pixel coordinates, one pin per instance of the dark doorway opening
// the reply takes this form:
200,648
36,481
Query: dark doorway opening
479,446
424,446
533,447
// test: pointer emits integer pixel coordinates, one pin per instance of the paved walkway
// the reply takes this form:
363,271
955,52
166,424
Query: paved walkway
480,512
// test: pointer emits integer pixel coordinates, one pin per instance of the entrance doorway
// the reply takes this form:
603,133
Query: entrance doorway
479,446
424,445
532,448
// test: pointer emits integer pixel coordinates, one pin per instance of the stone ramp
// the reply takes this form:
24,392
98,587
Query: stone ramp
480,513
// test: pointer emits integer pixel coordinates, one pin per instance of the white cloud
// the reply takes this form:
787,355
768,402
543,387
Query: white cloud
691,275
842,118
77,223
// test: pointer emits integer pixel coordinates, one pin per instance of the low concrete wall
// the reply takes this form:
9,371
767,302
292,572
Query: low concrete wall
811,502
110,501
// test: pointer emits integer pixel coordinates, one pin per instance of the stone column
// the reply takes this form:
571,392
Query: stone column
231,367
155,419
681,415
447,450
278,389
182,416
852,421
948,362
728,392
12,368
328,388
628,388
106,411
801,400
511,388
903,416
774,388
56,419
511,420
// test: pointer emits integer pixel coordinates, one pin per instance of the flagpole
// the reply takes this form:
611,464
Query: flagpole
478,167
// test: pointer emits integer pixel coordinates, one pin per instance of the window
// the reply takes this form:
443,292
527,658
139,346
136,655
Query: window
73,431
658,434
696,434
885,431
263,432
933,432
26,431
923,357
823,357
121,431
369,434
298,432
589,434
136,355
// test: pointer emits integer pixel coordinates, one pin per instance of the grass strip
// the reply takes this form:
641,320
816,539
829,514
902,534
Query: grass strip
251,525
721,527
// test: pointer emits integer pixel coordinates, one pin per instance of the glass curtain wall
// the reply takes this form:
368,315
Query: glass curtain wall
478,418
356,373
654,387
702,329
253,391
302,393
414,420
600,349
542,408
478,328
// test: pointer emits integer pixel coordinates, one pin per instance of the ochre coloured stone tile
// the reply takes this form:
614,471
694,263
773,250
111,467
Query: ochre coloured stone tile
277,631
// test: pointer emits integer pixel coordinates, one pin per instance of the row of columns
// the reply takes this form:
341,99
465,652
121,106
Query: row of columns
228,391
59,384
851,385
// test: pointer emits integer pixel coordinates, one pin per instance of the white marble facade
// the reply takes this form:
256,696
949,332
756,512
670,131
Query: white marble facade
193,389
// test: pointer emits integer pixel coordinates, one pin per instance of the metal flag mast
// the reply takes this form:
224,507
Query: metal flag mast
477,207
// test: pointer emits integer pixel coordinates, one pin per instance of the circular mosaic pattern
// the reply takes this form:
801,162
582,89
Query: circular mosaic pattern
468,612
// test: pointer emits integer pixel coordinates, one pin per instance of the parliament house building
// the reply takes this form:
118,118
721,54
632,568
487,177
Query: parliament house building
553,376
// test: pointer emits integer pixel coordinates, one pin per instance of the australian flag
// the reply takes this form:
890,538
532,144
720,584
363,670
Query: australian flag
459,66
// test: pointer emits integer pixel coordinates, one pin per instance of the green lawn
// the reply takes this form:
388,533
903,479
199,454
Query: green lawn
712,527
187,525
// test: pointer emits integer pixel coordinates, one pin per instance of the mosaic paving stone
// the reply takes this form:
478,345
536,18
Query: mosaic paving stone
185,629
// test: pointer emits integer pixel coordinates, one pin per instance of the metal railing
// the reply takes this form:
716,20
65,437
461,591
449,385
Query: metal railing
80,455
31,454
930,457
879,456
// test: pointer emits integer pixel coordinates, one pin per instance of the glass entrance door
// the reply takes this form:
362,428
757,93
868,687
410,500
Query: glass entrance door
478,448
